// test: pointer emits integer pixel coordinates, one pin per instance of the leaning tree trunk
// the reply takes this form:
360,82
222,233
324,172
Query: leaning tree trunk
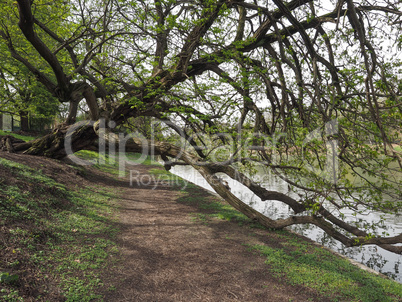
63,140
323,219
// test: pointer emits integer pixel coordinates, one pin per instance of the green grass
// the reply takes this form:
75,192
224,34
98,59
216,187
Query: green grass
110,164
315,267
23,137
51,232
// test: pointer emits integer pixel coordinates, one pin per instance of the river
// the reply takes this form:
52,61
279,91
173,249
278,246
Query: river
374,257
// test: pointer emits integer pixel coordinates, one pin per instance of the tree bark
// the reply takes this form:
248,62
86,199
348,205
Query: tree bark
24,119
57,144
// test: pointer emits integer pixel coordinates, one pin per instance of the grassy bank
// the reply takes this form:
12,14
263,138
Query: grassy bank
57,238
23,137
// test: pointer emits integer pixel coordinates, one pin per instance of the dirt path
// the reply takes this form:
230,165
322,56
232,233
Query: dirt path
167,255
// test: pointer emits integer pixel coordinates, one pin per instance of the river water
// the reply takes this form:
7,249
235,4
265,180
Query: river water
374,257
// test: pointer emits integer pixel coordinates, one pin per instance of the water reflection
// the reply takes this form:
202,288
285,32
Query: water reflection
372,256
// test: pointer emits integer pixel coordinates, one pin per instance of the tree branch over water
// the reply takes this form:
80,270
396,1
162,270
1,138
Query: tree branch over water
309,90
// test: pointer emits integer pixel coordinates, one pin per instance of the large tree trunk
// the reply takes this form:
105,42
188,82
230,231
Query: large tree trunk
24,118
58,144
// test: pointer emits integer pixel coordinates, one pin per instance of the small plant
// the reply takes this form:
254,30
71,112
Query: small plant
8,279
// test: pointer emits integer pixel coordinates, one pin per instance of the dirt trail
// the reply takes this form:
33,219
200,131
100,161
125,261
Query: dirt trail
169,256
